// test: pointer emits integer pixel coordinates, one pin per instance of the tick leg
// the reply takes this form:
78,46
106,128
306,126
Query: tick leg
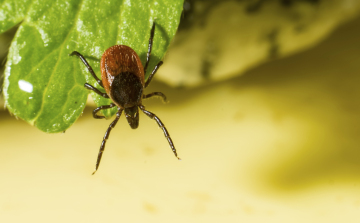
88,66
153,73
90,87
106,136
96,110
155,94
161,125
152,32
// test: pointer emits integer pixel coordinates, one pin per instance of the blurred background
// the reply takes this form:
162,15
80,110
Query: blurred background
264,112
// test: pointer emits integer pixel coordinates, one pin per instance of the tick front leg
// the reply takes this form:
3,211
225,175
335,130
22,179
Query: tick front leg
152,32
161,125
106,136
96,110
87,66
155,94
90,87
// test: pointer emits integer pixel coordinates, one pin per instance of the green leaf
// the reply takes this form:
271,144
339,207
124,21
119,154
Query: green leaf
43,85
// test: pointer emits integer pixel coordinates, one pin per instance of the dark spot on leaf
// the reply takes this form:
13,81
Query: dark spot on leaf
196,12
289,3
300,28
274,45
181,86
254,6
286,3
209,59
206,66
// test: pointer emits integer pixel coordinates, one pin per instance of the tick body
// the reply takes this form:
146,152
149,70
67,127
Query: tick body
123,78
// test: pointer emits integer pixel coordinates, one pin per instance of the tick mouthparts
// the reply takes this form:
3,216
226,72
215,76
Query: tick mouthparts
132,116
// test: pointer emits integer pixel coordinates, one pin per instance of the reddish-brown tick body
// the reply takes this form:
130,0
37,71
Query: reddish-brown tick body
123,78
122,75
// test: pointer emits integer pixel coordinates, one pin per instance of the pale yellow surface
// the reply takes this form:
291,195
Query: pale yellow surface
280,144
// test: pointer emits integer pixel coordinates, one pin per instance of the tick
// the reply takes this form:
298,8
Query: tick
123,78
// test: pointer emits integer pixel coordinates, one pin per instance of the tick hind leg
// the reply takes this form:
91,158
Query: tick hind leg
87,66
161,125
96,110
106,136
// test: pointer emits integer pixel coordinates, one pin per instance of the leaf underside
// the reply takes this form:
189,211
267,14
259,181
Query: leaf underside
45,86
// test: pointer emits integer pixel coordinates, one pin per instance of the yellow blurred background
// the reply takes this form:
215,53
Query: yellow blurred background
278,144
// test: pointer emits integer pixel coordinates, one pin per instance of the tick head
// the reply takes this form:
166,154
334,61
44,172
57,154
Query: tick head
132,116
